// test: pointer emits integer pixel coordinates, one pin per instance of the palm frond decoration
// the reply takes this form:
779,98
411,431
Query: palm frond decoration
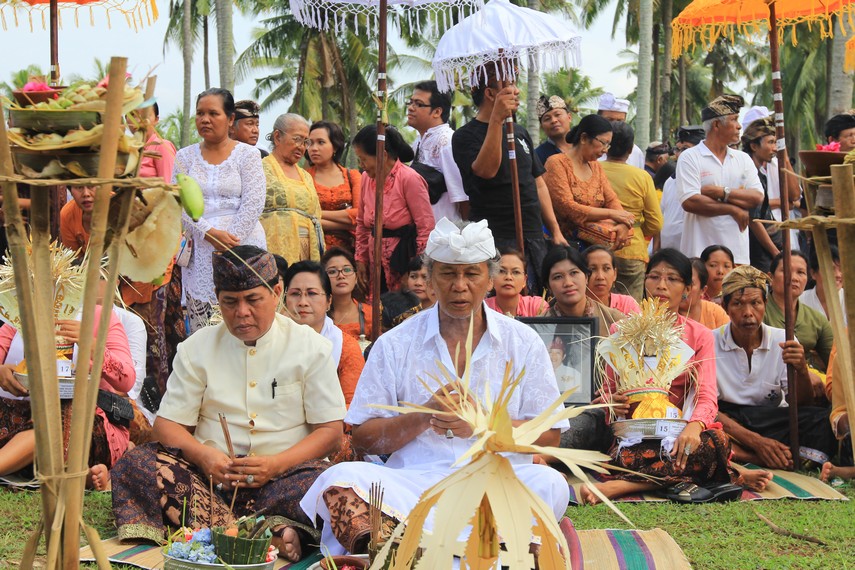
68,280
646,354
486,492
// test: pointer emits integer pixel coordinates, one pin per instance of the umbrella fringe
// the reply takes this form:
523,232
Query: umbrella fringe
472,69
691,29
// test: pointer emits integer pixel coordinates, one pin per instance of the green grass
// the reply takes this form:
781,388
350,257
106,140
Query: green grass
713,536
731,535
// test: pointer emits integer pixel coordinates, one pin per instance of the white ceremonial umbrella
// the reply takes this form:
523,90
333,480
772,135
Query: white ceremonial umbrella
332,14
496,39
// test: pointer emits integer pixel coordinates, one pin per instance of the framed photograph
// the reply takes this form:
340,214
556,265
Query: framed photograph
570,342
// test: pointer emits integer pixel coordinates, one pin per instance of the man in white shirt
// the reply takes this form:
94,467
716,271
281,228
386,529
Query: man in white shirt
276,385
462,262
672,211
751,371
717,185
614,109
427,112
817,298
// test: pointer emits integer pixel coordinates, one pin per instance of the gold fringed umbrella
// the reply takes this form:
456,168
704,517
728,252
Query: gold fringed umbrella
706,21
137,14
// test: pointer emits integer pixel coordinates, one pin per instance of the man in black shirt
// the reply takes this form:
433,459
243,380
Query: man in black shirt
480,151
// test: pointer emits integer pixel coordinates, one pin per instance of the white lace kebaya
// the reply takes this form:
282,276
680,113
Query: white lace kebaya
234,192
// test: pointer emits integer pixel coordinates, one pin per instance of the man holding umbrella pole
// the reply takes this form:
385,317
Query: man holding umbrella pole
481,151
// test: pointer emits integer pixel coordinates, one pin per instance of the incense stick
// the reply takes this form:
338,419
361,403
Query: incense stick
375,506
211,503
224,424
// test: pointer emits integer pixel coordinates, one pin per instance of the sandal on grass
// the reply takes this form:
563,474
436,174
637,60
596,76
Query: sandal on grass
686,493
725,492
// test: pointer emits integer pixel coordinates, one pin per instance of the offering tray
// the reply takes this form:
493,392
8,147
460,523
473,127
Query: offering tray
648,428
52,120
171,563
66,384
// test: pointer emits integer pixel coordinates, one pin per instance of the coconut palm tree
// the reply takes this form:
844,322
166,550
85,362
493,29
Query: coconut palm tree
840,83
225,43
323,71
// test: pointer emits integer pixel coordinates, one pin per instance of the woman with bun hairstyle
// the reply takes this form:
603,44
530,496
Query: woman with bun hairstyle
580,192
407,214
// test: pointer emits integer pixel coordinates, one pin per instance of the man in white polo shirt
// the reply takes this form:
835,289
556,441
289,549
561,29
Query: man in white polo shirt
751,371
717,185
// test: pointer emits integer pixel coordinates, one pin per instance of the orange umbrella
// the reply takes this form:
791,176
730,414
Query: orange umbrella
137,13
709,20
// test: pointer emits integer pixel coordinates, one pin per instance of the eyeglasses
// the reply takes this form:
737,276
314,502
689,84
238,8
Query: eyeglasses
417,104
606,145
334,271
513,272
297,139
670,278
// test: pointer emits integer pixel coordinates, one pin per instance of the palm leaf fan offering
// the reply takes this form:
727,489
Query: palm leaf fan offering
644,356
68,279
485,492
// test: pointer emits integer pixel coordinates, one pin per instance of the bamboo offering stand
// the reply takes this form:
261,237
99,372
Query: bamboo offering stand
63,483
843,189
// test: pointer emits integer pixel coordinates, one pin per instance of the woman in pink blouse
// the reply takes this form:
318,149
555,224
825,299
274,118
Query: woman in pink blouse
17,438
695,468
407,214
509,285
601,262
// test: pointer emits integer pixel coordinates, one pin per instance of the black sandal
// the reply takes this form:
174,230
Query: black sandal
725,492
687,493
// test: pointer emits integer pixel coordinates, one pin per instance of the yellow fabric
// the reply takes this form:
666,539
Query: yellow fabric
651,404
634,189
709,20
290,234
215,372
849,62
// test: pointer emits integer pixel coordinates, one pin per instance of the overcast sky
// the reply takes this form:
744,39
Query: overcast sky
79,45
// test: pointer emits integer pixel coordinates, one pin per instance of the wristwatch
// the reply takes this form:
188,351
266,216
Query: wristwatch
726,194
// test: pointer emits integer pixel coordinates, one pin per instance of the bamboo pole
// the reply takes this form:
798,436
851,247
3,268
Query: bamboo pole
44,395
789,313
380,176
844,207
515,175
86,380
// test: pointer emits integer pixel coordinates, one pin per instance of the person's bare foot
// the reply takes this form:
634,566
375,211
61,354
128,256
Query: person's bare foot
287,541
755,479
99,477
830,471
612,490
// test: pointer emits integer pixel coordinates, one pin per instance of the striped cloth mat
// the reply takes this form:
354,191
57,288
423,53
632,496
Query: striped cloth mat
595,549
623,549
149,556
784,485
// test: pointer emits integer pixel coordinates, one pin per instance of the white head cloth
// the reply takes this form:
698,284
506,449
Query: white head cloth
754,113
449,244
608,102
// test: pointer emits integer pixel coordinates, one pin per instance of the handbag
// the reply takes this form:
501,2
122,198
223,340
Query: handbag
599,233
185,251
118,410
433,177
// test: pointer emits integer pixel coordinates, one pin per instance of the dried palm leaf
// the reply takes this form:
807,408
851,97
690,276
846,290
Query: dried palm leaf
486,492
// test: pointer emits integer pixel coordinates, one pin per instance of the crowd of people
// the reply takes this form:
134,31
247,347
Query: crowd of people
287,239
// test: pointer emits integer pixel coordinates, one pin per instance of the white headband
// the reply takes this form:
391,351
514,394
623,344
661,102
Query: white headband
449,244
